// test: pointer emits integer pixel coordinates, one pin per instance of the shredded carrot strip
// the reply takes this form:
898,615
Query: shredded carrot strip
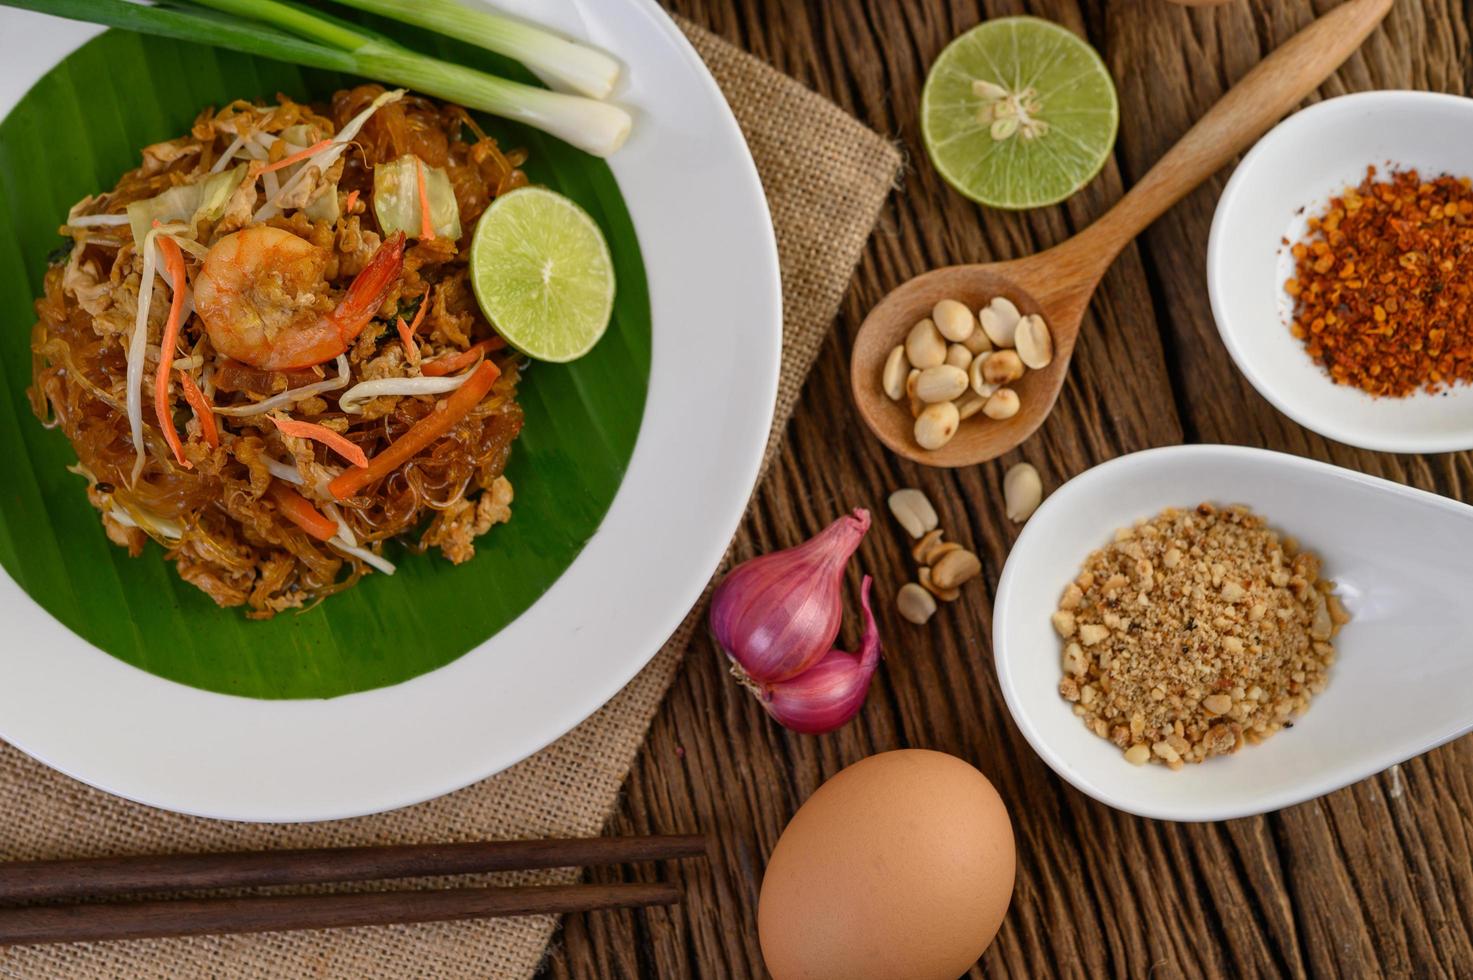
350,451
426,227
174,262
408,330
406,336
352,200
450,363
296,157
299,510
419,314
440,420
202,409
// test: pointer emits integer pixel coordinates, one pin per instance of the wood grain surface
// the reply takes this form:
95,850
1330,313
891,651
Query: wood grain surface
1374,880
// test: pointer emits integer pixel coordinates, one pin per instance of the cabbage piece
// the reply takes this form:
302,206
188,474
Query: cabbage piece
203,200
323,207
300,136
330,154
323,203
396,198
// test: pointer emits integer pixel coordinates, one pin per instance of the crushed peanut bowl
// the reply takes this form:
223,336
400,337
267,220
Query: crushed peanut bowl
1285,180
1399,684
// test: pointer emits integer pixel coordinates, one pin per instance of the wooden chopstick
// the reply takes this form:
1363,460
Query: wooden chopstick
188,917
96,877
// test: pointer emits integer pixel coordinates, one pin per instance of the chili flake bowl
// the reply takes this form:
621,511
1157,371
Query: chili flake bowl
1286,179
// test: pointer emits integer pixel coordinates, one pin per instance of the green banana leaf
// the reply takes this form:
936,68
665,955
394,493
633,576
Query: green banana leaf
75,133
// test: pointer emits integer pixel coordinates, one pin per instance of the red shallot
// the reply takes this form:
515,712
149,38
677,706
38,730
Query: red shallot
833,690
777,617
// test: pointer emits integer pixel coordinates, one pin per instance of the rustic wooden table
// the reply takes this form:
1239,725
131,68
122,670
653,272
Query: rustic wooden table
1374,880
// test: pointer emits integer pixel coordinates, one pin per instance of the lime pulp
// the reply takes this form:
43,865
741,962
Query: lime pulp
1018,113
543,274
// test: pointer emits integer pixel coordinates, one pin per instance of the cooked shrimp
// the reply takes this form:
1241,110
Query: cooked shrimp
265,300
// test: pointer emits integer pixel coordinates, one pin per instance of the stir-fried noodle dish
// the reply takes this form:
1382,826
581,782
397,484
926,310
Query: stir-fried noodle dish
264,346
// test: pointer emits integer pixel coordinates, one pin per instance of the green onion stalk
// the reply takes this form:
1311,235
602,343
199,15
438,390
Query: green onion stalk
307,37
562,62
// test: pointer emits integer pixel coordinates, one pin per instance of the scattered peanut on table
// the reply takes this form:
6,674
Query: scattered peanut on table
944,566
1022,492
915,603
913,510
954,365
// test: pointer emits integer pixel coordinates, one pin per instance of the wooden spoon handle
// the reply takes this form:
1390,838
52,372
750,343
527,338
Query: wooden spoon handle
1274,87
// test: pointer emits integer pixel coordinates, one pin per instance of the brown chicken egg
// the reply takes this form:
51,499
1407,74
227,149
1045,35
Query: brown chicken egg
899,866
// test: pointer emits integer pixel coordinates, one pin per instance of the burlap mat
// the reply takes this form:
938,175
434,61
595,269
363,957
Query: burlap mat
826,177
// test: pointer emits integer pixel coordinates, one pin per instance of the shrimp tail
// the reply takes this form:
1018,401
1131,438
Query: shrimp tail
369,289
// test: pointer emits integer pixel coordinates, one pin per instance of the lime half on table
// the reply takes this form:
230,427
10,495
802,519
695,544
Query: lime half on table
1018,113
543,274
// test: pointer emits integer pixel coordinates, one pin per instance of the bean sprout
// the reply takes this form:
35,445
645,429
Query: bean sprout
137,345
363,554
352,400
284,471
229,154
97,220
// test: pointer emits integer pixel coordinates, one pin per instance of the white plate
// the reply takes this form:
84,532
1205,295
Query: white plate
693,192
1401,678
1290,175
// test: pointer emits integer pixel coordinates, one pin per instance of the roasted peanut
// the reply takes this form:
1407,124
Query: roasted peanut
954,568
1022,492
969,404
954,320
1000,321
896,370
1002,367
941,383
978,343
1003,404
980,385
924,345
945,595
1034,342
937,424
915,603
921,550
913,510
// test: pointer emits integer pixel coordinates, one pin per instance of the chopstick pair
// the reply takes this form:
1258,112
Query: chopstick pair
100,877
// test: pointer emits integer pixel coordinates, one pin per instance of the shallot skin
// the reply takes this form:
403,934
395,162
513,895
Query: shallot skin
831,692
778,614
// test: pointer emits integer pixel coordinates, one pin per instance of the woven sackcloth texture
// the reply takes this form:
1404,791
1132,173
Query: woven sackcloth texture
826,177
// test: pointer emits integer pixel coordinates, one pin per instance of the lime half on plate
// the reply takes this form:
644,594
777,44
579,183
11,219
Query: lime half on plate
1018,113
543,274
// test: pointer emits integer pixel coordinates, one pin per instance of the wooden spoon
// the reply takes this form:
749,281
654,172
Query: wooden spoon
1058,283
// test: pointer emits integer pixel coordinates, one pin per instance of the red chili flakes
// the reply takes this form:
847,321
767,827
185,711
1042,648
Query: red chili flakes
1382,285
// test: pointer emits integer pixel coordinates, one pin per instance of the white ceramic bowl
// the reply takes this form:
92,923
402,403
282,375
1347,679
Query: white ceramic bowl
1401,680
1289,176
698,207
